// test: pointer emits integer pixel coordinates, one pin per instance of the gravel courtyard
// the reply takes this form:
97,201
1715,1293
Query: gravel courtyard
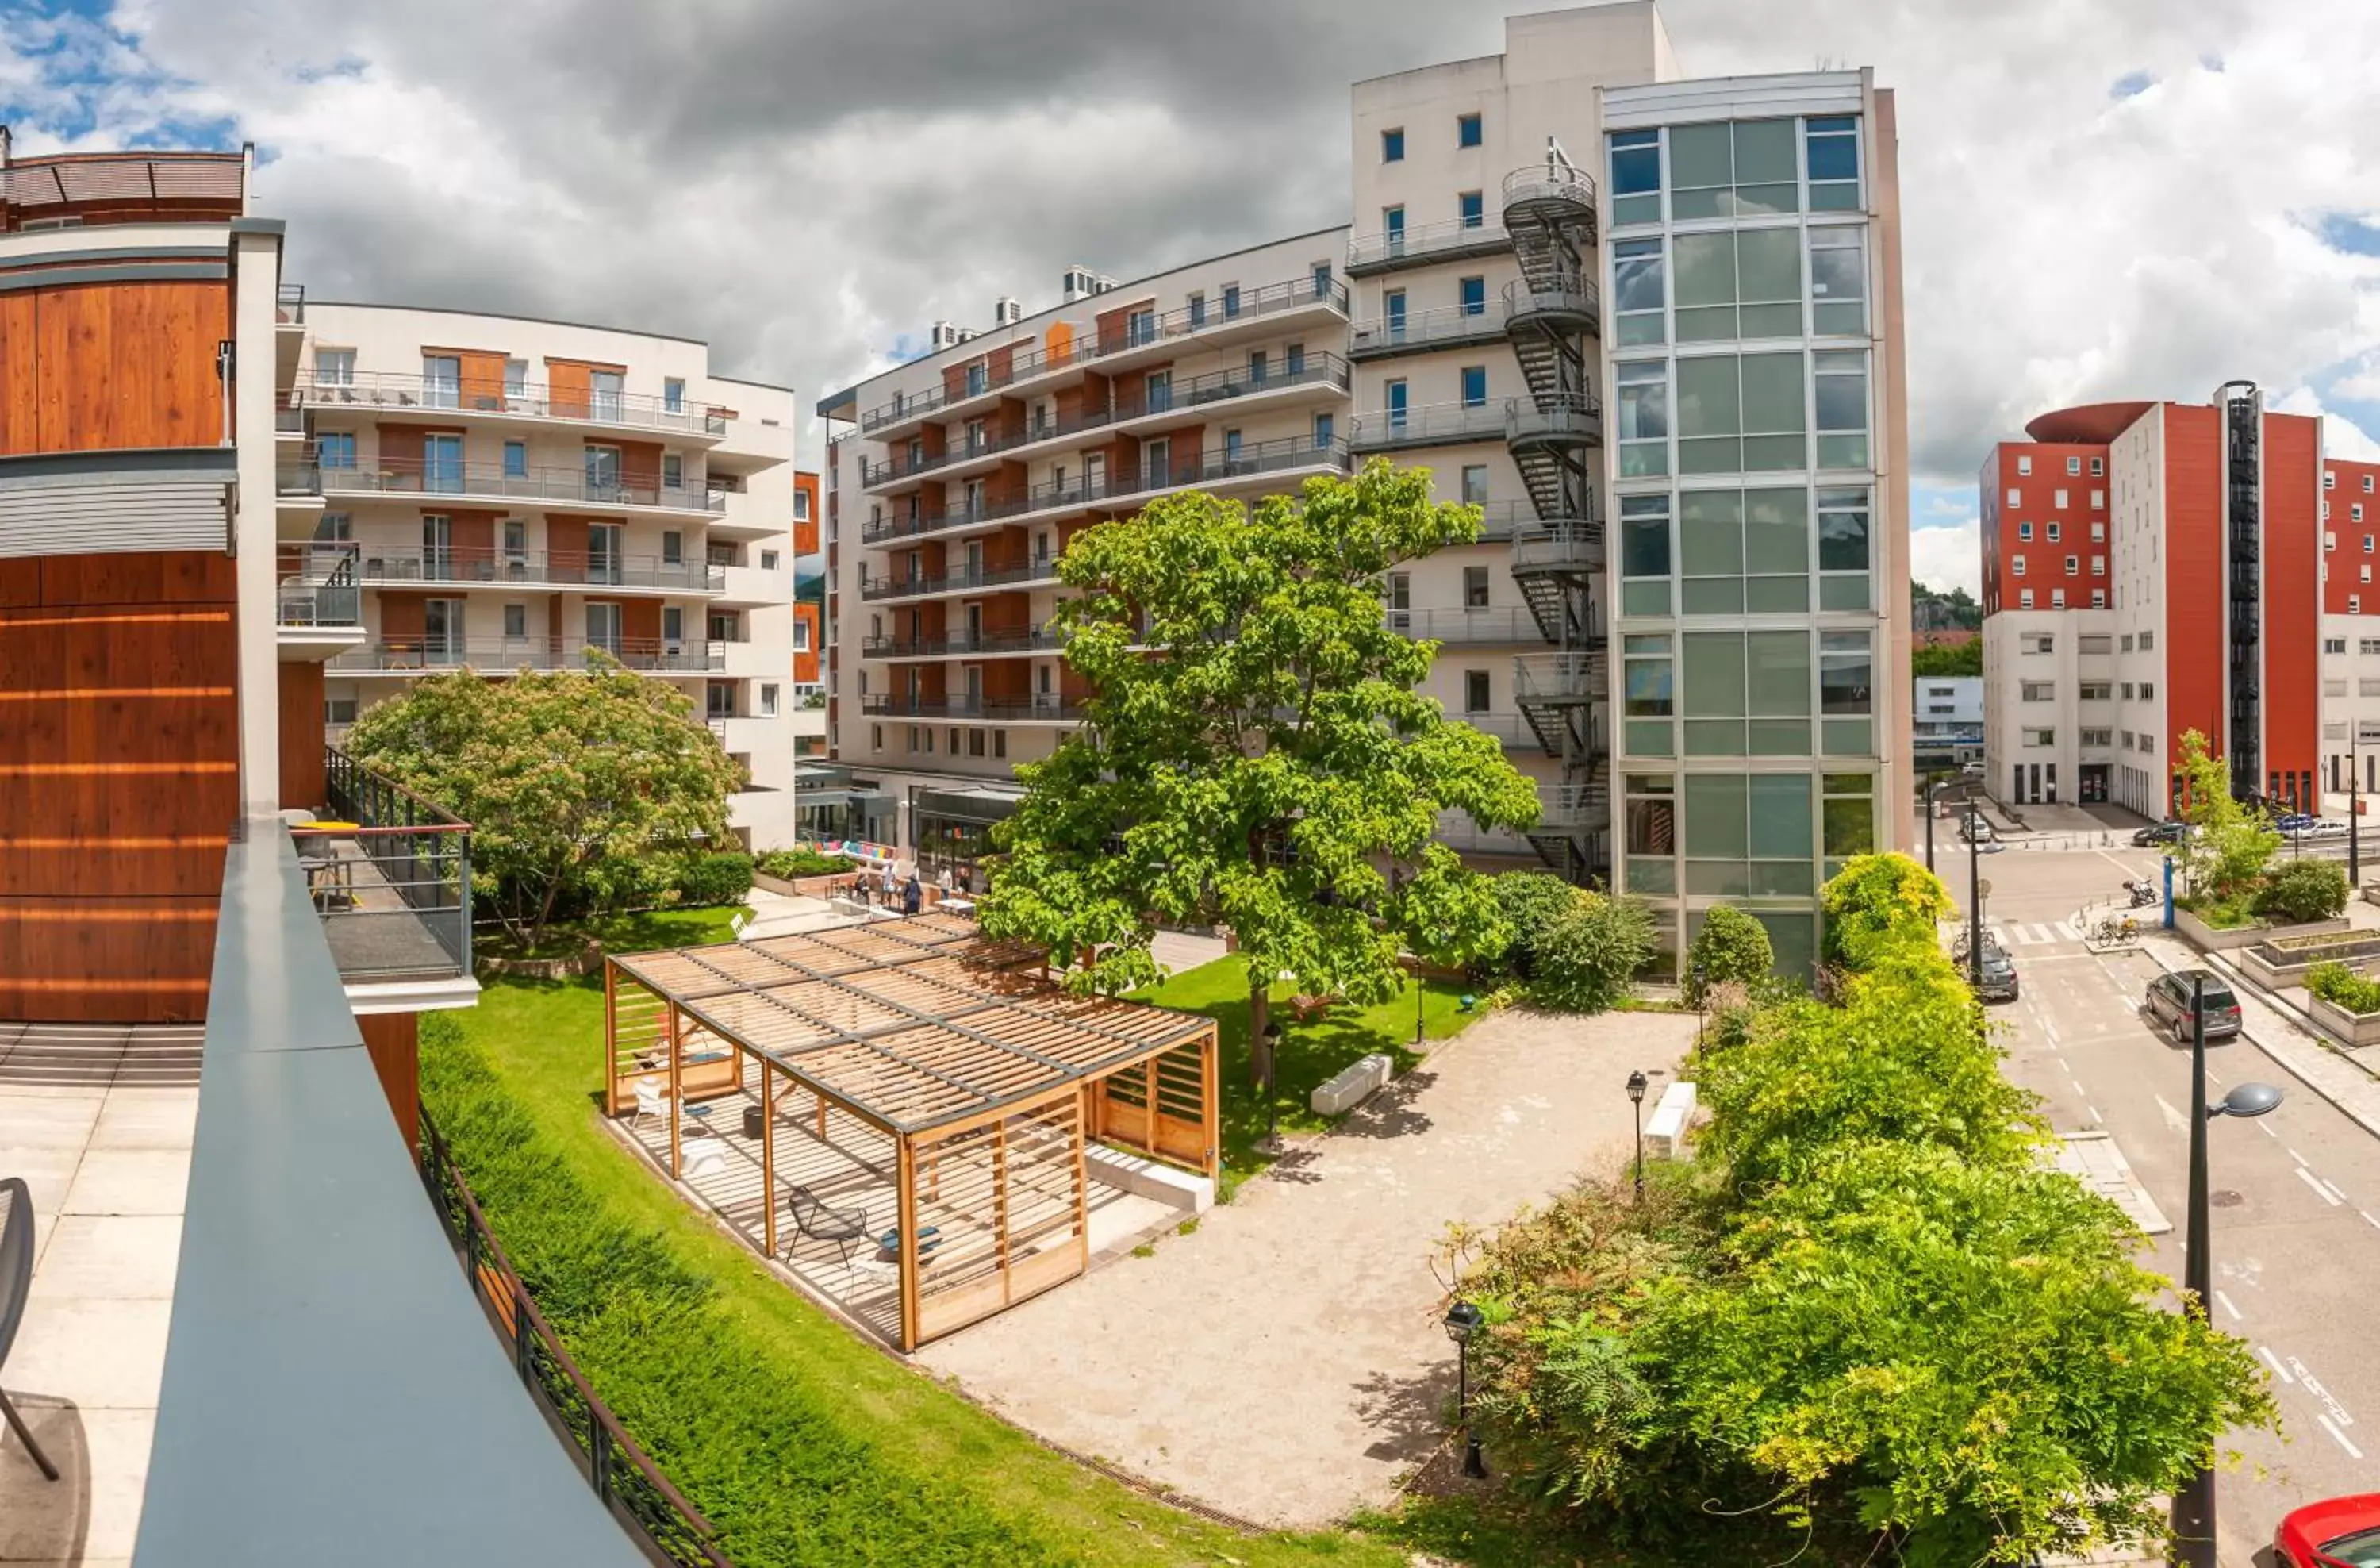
1285,1362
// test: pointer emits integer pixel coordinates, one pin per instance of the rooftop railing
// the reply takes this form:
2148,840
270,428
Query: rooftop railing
401,476
365,390
1027,359
1133,403
392,878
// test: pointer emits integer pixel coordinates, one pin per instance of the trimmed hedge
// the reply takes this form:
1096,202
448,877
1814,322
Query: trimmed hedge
719,877
792,863
2298,892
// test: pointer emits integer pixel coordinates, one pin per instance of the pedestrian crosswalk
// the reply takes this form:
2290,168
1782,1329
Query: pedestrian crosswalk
2016,933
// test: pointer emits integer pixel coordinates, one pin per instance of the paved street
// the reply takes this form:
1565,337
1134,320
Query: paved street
2296,1193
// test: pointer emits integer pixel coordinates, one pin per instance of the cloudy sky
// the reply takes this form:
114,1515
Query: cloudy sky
2119,197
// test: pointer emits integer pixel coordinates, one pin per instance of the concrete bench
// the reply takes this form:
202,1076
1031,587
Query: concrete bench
1351,1085
1664,1135
1149,1178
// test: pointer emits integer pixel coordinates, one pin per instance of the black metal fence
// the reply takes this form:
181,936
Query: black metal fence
405,868
656,1514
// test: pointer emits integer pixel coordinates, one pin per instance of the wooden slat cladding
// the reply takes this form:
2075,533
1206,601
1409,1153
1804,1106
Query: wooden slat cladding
105,366
393,1041
301,734
119,782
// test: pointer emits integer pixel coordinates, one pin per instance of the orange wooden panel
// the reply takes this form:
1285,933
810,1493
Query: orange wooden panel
400,448
640,464
640,620
108,960
19,359
94,366
401,617
393,1041
483,379
301,734
570,386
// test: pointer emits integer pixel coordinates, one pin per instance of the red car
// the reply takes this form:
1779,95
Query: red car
2343,1532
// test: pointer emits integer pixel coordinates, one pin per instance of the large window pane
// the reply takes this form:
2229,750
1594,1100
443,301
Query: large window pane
1638,292
1701,169
1840,383
1773,405
1715,807
1764,167
1645,536
1714,674
1648,673
1706,287
1644,388
1843,531
1768,267
1851,827
1839,281
1710,530
1792,942
1637,176
1845,673
1777,530
1709,416
1780,681
1779,809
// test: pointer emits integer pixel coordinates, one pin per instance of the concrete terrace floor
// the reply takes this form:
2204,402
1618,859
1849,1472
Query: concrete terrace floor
99,1121
1285,1362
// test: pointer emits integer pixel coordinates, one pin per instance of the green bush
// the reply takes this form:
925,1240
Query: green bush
1586,959
2300,891
792,863
2342,987
1530,902
720,877
1732,948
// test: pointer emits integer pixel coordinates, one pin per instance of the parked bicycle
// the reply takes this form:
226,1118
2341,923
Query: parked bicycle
2114,931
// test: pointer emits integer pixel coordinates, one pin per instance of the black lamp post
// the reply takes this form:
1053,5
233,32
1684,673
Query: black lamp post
1931,775
1636,1100
1974,899
1702,1003
1272,1077
2354,812
1421,996
2192,1518
1462,1321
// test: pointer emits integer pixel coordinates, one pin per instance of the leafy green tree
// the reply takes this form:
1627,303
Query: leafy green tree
570,780
1732,949
1255,754
1943,659
1879,901
1530,902
1586,959
2229,844
2299,890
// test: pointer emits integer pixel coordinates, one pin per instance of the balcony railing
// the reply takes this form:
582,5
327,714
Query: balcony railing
1512,729
1133,403
1423,329
417,654
499,482
1422,242
988,709
392,878
1558,191
289,304
1500,625
288,418
1433,422
960,643
1026,360
317,586
1232,463
1562,678
468,564
398,389
1044,569
1566,419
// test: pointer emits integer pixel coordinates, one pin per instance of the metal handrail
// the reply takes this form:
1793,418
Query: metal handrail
958,642
1560,414
1434,421
650,655
892,705
1425,239
331,598
408,476
1415,329
1501,624
1028,360
1135,403
1573,295
289,303
487,563
364,390
626,1481
1549,182
1566,675
420,850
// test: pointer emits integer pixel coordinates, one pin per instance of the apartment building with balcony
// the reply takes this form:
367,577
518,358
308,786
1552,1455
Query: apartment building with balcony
2152,568
2350,628
500,494
261,1306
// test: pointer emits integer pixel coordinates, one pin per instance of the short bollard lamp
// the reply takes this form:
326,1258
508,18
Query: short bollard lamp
1462,1321
1272,1076
1636,1100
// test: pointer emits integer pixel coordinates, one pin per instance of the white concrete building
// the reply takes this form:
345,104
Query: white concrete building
507,493
1948,706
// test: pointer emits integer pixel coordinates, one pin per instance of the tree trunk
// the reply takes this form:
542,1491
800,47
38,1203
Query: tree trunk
1259,1047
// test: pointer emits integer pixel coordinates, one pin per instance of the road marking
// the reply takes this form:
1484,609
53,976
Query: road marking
2319,1190
2175,1122
2368,1220
2275,1363
2078,1085
2268,1132
2335,1189
2226,1304
2313,1386
2340,1437
2094,1113
2295,1155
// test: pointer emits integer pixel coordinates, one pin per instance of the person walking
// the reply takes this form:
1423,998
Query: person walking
891,887
913,896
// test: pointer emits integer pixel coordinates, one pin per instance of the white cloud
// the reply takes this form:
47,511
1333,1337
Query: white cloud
1949,557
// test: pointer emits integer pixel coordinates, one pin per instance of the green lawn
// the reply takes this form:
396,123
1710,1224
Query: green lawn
1309,1053
638,932
804,1444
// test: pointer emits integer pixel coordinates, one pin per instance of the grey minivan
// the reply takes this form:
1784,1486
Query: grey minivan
2168,1006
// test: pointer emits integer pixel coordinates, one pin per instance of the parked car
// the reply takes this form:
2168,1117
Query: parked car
1999,981
1973,770
2167,832
1978,829
2168,1006
2341,1532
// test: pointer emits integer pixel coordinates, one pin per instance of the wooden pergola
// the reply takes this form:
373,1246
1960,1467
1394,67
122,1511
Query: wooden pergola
987,1077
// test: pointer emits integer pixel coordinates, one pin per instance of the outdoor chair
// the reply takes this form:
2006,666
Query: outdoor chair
652,1100
15,1284
821,1221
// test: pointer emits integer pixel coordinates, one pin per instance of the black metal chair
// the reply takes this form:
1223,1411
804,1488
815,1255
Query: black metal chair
16,1284
821,1221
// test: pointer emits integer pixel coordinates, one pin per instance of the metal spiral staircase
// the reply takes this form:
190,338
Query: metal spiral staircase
1563,694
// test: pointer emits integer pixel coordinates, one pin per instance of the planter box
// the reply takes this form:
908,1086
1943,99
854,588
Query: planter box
2278,967
2348,1028
2207,940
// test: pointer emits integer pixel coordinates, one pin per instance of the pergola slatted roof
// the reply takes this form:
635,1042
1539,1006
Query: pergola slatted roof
910,1024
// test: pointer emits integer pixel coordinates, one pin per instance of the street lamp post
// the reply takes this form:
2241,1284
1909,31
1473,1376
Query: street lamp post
1272,1077
1701,1002
2192,1518
1462,1321
1974,899
1636,1100
2354,810
1931,775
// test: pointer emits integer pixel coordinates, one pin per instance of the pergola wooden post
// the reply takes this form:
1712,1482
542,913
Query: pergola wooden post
767,1151
905,1239
677,1087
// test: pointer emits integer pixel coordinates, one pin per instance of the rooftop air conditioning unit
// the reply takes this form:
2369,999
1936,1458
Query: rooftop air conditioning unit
944,334
1006,312
1081,283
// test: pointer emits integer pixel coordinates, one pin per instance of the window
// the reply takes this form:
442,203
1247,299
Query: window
1744,551
1399,400
999,743
1231,294
1294,359
2037,691
2128,642
1472,208
1474,386
768,699
1644,554
442,464
1733,170
1839,283
2016,565
2094,642
1746,694
1845,554
2093,737
515,620
2024,598
1392,146
1475,483
1466,130
2329,478
2098,565
1736,284
672,547
1400,591
1324,432
1651,826
2039,642
673,471
335,449
1392,314
442,380
1638,291
2041,737
673,626
2054,531
1473,294
1841,383
2057,599
1636,177
1644,392
1475,691
1649,695
2148,642
2098,467
2024,533
1392,228
1741,414
1750,834
801,634
2128,689
2365,646
603,465
1320,277
605,388
2096,691
2061,499
673,394
2098,533
2024,466
1140,326
2098,501
516,459
1832,150
2334,645
1848,805
2015,496
1474,587
334,367
2148,691
2073,565
2073,468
